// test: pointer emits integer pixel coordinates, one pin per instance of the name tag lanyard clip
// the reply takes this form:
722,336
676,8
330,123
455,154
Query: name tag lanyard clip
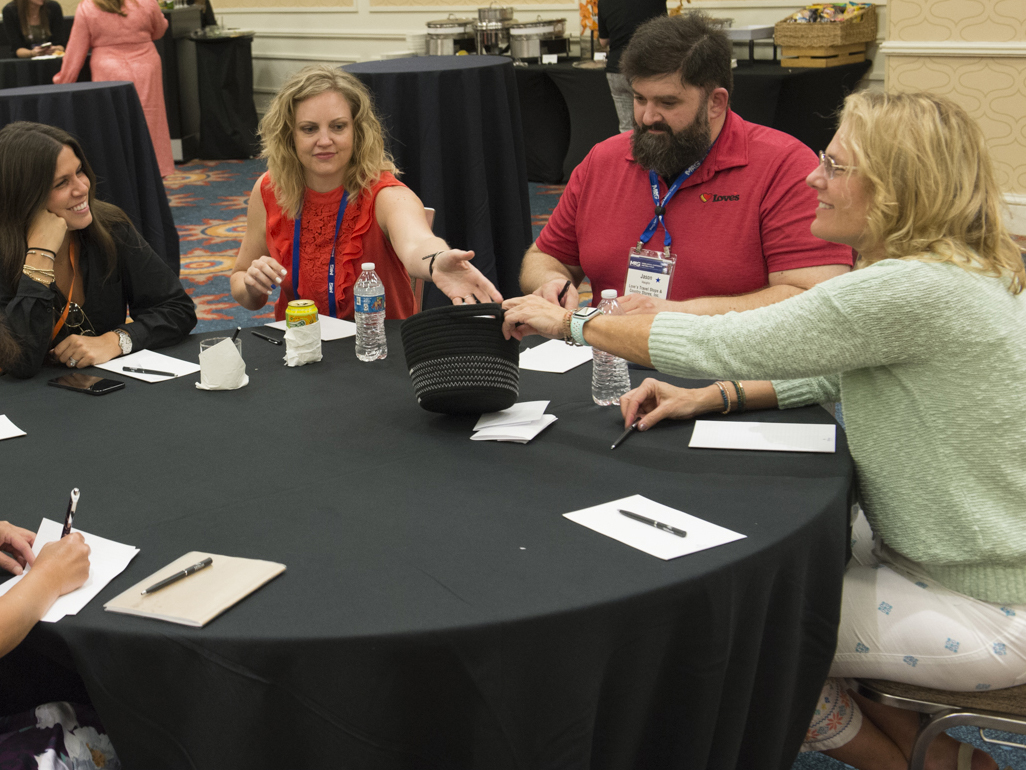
332,309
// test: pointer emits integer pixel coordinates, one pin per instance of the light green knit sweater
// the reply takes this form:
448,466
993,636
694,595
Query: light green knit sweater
929,363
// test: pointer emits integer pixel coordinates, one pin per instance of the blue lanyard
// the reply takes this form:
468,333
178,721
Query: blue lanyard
332,310
660,207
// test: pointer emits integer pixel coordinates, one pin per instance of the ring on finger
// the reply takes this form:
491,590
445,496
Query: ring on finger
72,363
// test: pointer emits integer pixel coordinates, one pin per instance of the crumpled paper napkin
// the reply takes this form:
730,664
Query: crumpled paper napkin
303,344
222,368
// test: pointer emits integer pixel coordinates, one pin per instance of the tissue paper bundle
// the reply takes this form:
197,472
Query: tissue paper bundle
222,367
303,344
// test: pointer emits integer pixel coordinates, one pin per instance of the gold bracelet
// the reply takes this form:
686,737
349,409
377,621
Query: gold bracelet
568,337
32,272
742,399
726,398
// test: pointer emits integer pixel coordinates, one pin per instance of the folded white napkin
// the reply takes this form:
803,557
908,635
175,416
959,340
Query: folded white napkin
303,344
222,367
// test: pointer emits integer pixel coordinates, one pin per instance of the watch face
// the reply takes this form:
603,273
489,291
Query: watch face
587,312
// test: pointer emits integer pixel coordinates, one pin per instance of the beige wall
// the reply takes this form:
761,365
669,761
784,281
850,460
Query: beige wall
973,51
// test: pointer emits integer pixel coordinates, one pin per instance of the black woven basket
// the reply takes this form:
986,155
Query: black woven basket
459,361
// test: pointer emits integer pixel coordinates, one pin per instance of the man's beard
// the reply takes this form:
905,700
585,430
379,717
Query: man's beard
671,152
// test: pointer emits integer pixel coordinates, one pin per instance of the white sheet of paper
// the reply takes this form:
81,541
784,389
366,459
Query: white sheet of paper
768,436
519,434
150,359
9,430
554,356
331,328
607,520
518,414
107,560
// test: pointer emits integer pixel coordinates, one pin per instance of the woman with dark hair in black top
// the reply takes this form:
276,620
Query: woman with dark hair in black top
71,265
34,27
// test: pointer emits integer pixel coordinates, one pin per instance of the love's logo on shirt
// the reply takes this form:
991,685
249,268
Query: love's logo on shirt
713,198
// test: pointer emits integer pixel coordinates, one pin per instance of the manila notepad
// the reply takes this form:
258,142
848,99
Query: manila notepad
202,596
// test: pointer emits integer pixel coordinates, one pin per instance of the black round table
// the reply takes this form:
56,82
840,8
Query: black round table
108,121
21,73
438,611
453,126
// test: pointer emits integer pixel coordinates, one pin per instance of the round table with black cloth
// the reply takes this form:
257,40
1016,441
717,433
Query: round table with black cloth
453,126
21,73
437,611
561,126
108,121
228,116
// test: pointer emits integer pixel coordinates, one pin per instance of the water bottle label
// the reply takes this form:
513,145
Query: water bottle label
374,304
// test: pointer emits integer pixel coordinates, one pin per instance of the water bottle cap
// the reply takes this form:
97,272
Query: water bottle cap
367,265
609,294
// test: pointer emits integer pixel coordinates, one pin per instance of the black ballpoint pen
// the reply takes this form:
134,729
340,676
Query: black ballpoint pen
70,515
654,523
566,288
633,427
265,337
177,576
137,370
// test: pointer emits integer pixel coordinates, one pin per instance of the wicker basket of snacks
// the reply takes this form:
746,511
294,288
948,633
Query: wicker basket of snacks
827,25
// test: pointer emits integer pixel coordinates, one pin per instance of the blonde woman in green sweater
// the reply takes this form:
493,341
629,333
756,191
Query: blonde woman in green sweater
925,347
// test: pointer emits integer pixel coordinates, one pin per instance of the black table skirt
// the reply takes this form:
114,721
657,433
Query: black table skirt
228,116
437,611
800,102
453,127
108,121
21,73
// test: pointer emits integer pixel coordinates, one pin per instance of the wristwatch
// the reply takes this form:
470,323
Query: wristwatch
124,340
580,317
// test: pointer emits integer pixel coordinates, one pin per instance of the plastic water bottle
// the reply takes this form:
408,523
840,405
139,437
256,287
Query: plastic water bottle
369,303
609,377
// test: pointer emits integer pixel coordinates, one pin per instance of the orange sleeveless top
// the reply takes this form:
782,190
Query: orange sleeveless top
360,240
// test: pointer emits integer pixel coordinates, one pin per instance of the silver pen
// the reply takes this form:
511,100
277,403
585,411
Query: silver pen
653,523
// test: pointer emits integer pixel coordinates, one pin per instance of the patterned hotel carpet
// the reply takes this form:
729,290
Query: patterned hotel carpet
208,200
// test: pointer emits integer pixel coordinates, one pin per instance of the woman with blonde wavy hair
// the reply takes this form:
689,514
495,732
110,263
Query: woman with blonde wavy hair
330,201
924,345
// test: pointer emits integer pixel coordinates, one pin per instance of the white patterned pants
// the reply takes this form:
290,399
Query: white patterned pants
898,624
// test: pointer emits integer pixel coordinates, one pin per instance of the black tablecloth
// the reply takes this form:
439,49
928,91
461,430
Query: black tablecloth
228,117
108,121
800,102
20,73
453,125
437,611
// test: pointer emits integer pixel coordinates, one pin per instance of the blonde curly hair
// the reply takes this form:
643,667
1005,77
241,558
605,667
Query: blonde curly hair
277,135
933,195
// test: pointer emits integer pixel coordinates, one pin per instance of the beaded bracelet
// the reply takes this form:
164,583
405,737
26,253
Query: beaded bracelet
726,398
568,336
742,399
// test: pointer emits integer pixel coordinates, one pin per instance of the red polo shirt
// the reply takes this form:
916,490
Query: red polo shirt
743,214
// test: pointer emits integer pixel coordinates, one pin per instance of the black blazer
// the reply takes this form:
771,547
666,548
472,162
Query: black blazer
12,25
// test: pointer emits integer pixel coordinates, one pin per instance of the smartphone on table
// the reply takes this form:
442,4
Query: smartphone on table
86,383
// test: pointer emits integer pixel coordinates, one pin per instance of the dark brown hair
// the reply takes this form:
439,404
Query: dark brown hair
44,19
688,45
28,161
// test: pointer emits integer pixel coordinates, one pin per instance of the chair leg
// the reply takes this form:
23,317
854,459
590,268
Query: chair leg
935,724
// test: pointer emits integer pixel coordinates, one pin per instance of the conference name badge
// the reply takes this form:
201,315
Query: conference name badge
649,273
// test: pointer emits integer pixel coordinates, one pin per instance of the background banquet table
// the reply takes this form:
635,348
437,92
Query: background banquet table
438,611
452,123
108,121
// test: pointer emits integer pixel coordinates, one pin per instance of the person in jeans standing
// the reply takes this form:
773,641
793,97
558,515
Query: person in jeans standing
617,20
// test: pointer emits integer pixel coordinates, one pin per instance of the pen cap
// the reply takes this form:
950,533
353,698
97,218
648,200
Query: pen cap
458,360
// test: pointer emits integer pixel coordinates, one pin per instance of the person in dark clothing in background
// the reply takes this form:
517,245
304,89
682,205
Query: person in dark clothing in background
617,20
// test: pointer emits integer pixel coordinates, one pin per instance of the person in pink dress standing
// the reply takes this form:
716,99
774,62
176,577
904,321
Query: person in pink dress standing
121,34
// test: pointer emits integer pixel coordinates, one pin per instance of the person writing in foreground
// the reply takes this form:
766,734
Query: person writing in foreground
924,344
330,201
735,212
52,731
71,264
